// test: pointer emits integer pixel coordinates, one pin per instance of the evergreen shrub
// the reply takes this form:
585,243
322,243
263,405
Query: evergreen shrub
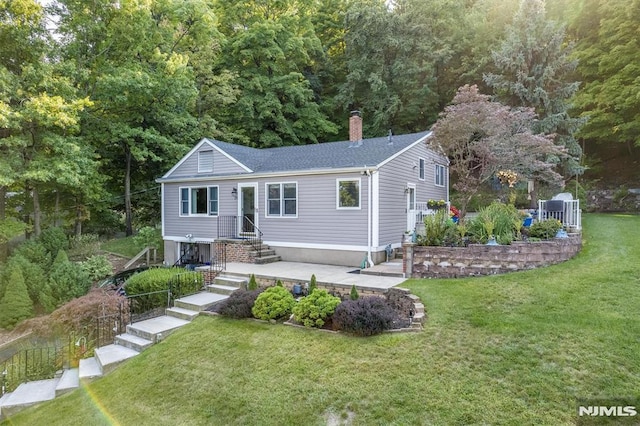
314,309
273,303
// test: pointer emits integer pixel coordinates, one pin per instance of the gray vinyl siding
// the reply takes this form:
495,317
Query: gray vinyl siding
318,220
222,165
199,226
394,177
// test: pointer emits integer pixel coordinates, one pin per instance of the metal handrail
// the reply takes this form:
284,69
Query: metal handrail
256,240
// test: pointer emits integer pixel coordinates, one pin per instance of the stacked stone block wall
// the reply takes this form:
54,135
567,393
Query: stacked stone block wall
479,259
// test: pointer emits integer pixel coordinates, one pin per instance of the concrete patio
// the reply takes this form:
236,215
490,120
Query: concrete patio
302,272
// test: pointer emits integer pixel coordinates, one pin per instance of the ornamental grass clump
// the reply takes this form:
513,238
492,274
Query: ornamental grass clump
497,219
273,304
314,309
545,229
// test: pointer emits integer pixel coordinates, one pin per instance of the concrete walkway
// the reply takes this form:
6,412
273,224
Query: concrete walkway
324,273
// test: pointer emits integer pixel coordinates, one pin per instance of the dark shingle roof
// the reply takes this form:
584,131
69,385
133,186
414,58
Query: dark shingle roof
329,155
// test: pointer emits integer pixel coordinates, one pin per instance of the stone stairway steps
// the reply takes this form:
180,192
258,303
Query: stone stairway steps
221,289
231,281
89,369
139,336
110,356
267,259
181,313
26,395
200,302
133,342
69,381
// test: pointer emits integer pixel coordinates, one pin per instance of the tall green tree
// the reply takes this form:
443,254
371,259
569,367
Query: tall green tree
40,110
142,86
269,47
608,46
536,70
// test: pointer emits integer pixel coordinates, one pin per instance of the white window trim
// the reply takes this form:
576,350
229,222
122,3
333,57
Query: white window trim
444,175
338,207
190,188
282,215
422,176
209,168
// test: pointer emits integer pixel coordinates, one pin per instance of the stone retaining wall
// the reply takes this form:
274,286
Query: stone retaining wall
479,259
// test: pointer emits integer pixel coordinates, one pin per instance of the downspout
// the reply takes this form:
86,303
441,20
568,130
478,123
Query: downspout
370,218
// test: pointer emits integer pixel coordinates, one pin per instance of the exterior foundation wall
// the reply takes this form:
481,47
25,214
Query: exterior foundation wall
479,259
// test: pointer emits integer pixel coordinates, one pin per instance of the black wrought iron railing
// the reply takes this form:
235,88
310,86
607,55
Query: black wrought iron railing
228,228
30,364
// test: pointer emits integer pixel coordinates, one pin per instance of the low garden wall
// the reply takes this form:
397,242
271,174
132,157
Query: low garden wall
480,259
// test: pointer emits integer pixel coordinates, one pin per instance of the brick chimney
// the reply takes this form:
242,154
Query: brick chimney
355,127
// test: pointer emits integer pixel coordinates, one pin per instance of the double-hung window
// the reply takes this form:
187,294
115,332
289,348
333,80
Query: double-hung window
282,199
421,169
199,201
348,193
440,175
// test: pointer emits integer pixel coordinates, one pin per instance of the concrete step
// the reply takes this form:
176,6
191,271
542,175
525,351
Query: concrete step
69,381
221,289
130,341
156,329
89,369
200,302
231,281
3,398
419,307
181,313
110,356
267,259
28,394
264,252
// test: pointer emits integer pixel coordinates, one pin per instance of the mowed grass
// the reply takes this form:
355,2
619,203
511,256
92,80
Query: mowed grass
513,349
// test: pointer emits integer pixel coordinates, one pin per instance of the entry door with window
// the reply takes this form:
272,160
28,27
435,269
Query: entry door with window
247,203
411,207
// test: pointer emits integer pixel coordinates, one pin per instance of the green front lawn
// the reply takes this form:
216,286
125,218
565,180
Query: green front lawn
511,349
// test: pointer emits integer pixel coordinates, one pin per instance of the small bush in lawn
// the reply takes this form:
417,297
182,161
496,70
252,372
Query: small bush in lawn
364,317
273,303
253,284
238,305
314,309
545,229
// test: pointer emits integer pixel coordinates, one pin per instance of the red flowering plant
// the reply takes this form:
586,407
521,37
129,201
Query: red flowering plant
454,211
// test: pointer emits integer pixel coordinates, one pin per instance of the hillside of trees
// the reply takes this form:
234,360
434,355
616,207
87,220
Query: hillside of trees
98,98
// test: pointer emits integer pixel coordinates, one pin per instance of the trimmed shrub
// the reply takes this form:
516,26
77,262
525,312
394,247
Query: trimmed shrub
545,229
54,239
34,252
158,280
97,267
253,284
67,280
34,278
238,305
364,317
273,303
314,309
15,305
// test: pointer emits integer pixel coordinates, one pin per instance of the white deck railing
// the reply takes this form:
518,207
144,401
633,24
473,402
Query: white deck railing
566,211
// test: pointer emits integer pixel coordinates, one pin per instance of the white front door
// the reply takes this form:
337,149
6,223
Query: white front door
411,207
247,207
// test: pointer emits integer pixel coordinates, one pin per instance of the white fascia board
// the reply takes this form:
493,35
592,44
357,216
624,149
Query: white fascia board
399,153
253,176
376,209
195,149
162,208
